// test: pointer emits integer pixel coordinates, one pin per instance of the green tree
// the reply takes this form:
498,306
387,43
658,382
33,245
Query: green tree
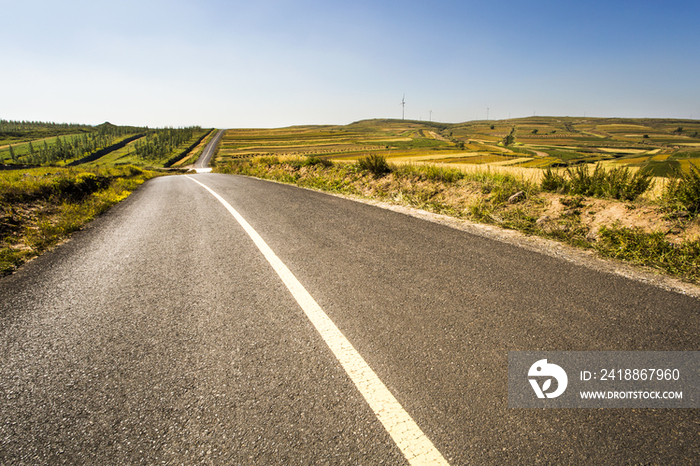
510,139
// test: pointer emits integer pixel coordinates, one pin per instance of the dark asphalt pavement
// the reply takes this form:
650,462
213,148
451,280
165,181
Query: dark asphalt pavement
160,335
209,150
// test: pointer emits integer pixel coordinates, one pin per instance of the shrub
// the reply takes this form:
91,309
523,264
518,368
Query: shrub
683,190
554,182
266,160
87,182
618,183
317,161
375,164
131,170
582,181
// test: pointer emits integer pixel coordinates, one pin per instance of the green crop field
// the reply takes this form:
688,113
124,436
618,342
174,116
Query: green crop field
23,149
36,144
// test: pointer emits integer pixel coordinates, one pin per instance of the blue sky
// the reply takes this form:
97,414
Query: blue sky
272,63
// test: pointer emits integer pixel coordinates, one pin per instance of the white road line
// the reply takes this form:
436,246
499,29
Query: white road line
410,439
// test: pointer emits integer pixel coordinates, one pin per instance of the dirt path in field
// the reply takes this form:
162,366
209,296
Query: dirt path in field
537,152
437,136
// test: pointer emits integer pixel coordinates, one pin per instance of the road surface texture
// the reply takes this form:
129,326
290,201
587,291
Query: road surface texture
160,334
209,150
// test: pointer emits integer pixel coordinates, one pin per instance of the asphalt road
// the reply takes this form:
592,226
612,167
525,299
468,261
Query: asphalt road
209,150
161,335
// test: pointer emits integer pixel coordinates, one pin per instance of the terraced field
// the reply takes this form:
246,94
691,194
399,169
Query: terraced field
538,142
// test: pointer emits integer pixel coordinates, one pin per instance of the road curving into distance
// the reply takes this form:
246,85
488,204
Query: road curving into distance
209,151
162,334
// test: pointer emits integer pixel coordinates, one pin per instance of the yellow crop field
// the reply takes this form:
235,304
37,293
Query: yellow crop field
535,142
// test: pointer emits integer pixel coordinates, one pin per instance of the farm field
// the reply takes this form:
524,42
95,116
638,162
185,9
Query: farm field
36,144
128,155
661,145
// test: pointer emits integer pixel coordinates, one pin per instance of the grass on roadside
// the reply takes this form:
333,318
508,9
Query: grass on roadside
618,183
652,250
683,191
41,207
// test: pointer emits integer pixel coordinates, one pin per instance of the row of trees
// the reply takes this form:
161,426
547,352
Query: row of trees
11,127
159,144
66,148
61,141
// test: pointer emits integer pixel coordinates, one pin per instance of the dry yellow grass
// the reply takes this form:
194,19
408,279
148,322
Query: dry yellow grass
539,163
633,160
513,161
624,127
429,157
622,151
686,163
529,174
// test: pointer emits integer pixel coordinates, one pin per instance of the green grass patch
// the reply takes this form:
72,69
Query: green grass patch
41,207
662,168
652,250
686,155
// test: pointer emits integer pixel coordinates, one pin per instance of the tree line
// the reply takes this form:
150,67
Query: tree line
75,142
70,146
66,148
13,128
161,143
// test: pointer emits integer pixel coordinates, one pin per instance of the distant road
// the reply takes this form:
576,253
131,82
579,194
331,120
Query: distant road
161,334
209,150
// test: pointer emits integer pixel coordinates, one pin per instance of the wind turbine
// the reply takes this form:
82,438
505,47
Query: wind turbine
403,106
